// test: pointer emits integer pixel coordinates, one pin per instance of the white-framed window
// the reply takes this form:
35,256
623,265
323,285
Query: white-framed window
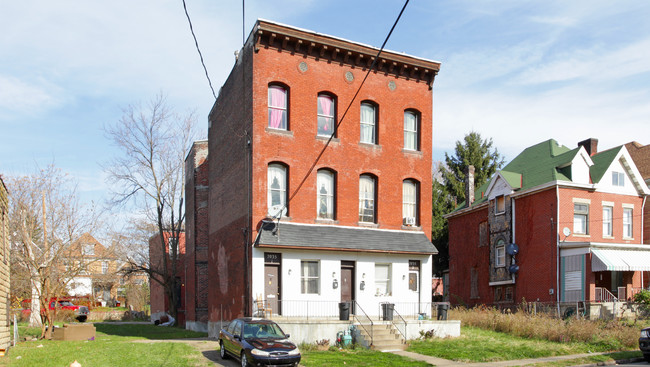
627,222
500,254
580,218
277,101
618,178
500,204
325,186
277,189
382,280
88,249
104,267
410,208
411,130
368,121
607,221
326,113
367,185
309,277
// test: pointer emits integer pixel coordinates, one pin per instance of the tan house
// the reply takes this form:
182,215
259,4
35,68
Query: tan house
5,321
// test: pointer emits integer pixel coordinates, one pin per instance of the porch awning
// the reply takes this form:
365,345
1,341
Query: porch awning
620,260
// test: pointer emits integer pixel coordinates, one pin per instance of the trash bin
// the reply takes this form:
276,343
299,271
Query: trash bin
442,311
387,311
344,311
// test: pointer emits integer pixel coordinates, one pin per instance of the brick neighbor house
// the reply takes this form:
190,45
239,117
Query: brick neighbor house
641,156
158,299
5,262
271,234
554,225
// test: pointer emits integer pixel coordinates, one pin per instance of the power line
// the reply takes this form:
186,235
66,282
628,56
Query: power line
372,66
199,50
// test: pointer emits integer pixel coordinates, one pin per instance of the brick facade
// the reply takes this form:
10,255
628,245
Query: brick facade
158,298
5,262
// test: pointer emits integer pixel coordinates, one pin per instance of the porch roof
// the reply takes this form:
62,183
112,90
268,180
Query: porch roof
620,260
340,238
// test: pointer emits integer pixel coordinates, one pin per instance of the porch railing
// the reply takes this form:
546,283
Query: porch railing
398,326
604,295
363,316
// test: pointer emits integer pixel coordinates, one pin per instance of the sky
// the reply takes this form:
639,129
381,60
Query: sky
518,72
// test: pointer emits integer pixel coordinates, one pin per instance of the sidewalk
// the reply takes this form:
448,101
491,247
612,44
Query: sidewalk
439,362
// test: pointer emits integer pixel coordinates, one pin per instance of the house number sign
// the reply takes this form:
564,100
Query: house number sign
272,258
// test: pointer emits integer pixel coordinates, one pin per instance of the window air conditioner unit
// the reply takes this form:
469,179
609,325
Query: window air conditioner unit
409,221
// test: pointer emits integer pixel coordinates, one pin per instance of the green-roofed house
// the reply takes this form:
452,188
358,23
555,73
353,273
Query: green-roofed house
554,225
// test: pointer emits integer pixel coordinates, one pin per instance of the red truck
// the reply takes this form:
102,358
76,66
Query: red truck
80,312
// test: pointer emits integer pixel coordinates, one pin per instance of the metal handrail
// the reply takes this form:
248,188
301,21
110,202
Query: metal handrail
396,327
604,295
358,307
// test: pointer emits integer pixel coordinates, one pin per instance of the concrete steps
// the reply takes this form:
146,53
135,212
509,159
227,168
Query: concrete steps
385,337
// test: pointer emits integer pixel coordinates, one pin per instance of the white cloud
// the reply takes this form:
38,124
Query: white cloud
20,95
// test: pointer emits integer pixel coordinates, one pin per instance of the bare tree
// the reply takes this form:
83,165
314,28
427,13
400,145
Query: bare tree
149,174
45,220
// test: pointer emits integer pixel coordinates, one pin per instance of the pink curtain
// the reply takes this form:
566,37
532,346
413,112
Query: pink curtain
279,104
326,107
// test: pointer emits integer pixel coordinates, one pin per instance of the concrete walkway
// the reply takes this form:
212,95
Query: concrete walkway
439,362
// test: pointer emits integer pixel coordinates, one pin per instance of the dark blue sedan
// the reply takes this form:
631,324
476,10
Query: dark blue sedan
257,342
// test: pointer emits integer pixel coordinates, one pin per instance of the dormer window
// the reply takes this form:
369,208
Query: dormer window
618,178
89,249
500,205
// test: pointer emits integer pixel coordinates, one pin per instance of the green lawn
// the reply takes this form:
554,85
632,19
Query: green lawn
355,357
478,345
113,346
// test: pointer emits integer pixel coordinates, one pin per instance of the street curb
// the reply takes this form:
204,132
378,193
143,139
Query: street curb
612,363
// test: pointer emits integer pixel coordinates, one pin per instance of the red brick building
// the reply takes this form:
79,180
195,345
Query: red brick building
158,298
641,156
554,225
287,231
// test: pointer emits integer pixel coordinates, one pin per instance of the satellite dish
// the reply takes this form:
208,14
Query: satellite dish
566,231
512,249
278,211
513,268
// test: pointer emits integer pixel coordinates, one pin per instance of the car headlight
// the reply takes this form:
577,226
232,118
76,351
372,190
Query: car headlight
645,333
294,352
259,353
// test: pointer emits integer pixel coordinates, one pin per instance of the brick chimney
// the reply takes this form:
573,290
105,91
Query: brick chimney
469,185
591,146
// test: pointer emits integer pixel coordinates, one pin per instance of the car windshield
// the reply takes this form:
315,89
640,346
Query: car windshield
65,303
263,330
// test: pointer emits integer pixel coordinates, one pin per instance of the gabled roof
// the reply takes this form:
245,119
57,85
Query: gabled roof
340,238
602,161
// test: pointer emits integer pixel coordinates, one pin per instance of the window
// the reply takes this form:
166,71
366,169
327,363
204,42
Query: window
104,267
88,249
277,107
325,187
171,243
410,196
368,123
382,280
277,189
580,218
618,179
473,280
627,222
607,221
500,204
411,130
483,234
500,254
367,185
326,113
309,277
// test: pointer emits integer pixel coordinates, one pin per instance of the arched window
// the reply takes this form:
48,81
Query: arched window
277,189
410,202
368,120
411,130
278,98
326,186
367,195
326,114
500,254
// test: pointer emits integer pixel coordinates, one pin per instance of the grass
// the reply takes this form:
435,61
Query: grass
478,345
601,359
113,346
355,357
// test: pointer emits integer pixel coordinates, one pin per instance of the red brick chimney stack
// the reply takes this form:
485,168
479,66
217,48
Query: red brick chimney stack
591,146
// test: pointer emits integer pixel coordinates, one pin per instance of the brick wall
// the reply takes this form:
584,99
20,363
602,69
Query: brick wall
159,300
5,304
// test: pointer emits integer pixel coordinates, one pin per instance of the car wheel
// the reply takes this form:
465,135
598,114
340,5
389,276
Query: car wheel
222,350
244,360
646,357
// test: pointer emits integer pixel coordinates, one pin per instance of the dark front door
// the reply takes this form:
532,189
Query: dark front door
272,287
347,283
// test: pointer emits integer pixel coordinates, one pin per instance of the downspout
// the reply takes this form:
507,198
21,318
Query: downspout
557,249
512,225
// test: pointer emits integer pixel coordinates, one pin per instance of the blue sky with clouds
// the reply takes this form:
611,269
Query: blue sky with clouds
517,71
